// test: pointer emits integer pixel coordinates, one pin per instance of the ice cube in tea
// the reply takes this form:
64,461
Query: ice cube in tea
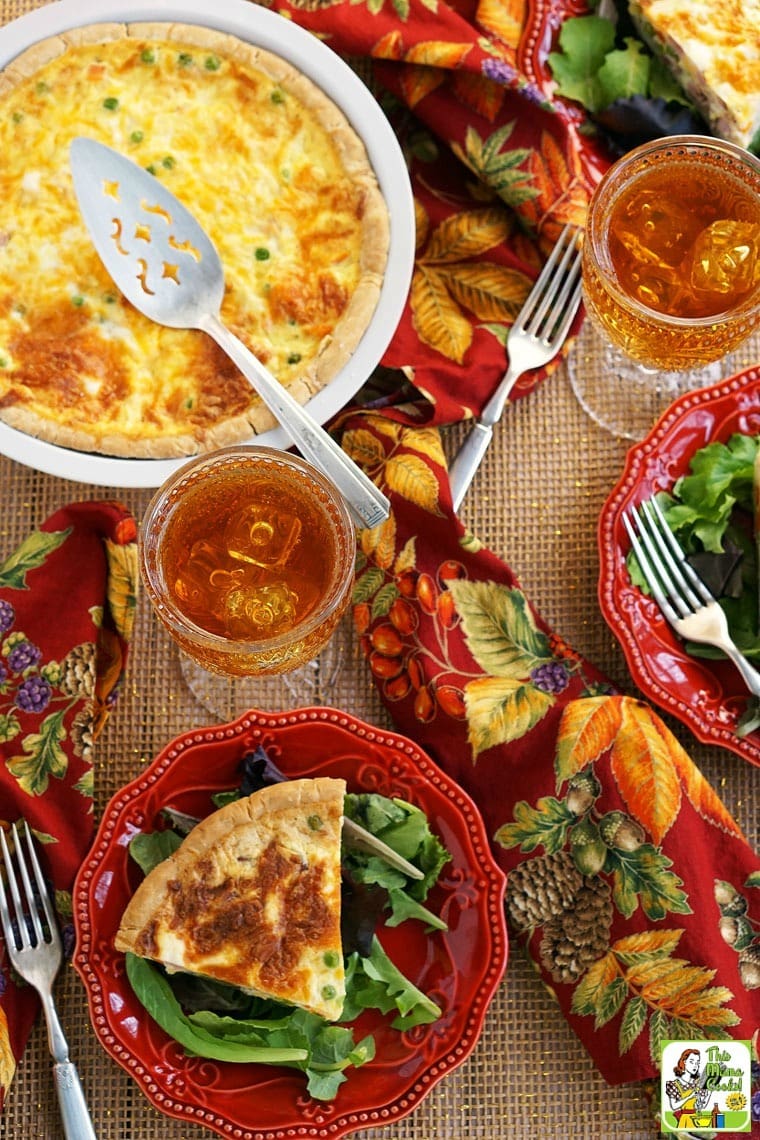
262,534
251,612
655,230
725,259
651,236
658,286
203,575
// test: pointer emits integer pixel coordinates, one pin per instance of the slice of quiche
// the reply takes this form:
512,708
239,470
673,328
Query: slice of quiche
252,897
712,47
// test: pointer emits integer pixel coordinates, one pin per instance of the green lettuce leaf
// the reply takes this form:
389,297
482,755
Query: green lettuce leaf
711,510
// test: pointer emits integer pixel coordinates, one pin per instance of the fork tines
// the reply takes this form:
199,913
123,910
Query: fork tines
548,312
675,585
17,933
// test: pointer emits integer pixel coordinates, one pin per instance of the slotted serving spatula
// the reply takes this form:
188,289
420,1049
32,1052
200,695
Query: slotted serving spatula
165,264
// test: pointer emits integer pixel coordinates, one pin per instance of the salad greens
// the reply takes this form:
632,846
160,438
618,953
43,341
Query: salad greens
628,92
710,511
594,68
219,1021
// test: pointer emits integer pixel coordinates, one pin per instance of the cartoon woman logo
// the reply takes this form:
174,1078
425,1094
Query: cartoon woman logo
687,1094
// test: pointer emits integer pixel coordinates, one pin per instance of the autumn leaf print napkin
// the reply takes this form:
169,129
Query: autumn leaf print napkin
67,604
629,882
497,170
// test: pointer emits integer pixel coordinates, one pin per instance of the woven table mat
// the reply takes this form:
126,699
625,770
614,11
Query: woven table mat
535,503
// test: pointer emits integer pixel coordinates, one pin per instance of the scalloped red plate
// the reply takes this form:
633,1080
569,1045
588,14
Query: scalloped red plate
460,969
539,37
708,696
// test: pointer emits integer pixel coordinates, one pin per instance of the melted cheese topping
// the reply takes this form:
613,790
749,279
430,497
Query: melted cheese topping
287,201
713,47
270,931
258,908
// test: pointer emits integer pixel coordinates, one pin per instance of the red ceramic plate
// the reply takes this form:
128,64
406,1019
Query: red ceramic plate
459,969
708,696
542,26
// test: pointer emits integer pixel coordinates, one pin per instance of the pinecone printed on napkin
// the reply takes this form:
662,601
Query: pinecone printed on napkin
78,670
574,939
541,889
575,911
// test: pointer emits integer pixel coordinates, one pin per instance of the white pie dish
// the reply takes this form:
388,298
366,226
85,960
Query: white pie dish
274,33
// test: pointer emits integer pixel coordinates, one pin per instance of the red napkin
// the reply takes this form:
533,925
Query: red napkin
67,604
629,881
497,170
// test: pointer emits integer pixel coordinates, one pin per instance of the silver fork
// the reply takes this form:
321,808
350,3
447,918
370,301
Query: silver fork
34,947
534,339
684,599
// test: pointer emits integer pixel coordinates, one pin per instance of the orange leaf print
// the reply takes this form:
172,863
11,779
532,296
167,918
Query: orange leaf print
410,476
110,663
701,795
380,542
479,93
437,319
417,82
642,763
425,440
671,990
594,982
712,1018
542,180
704,1005
421,225
560,192
647,944
388,429
587,729
438,53
7,1060
468,234
123,576
650,973
491,292
364,447
504,19
526,250
555,162
390,46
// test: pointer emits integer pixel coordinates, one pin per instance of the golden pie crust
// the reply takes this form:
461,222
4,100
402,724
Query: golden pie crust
272,170
252,898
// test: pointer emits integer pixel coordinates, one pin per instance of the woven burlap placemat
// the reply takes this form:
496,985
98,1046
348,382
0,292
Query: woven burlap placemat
535,504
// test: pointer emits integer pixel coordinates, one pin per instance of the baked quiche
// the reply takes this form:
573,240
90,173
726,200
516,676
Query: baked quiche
252,897
272,170
712,48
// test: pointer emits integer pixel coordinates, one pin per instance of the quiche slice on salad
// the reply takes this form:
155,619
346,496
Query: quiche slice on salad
252,898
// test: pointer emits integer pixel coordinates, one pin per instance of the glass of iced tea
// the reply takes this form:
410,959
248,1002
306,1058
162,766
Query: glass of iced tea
671,276
247,555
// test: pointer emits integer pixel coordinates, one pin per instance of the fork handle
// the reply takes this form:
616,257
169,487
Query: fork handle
470,455
75,1115
467,461
750,675
367,502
